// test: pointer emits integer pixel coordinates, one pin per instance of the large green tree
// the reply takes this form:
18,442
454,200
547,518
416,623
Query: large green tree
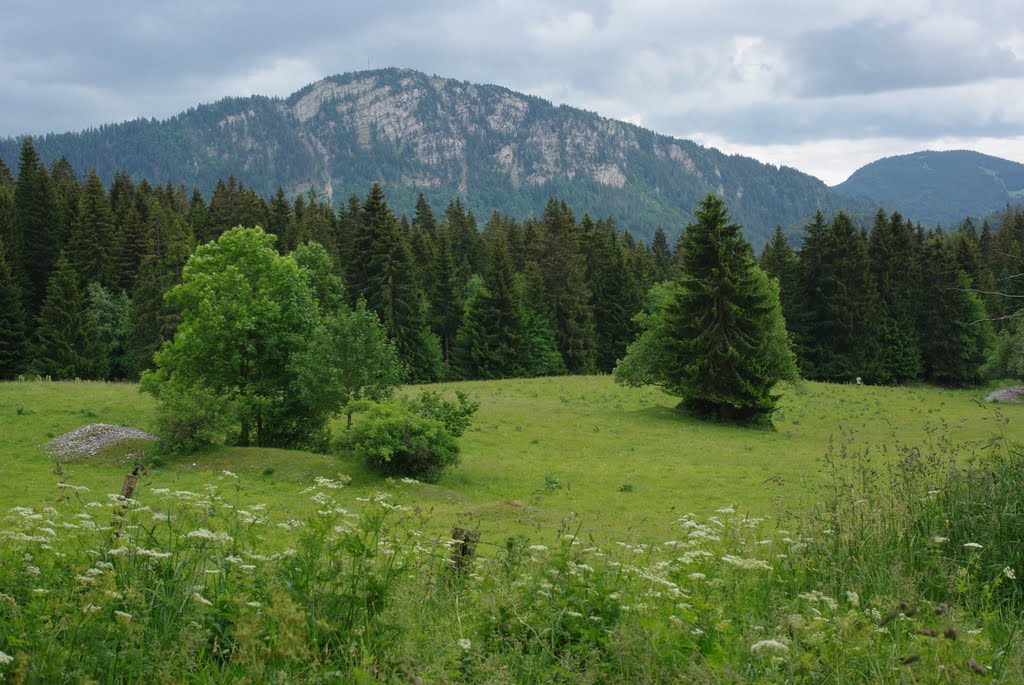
721,342
13,344
245,312
66,340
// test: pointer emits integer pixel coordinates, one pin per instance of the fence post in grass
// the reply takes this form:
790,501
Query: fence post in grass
463,547
127,490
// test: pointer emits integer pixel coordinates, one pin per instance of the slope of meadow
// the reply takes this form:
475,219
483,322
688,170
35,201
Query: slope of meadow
620,542
541,451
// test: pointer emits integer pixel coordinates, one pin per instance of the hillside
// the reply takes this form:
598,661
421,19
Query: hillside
939,187
499,149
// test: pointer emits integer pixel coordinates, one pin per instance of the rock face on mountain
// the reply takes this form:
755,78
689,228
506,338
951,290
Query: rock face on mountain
500,150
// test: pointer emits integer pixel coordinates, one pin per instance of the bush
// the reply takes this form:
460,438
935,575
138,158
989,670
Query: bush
190,419
396,440
456,417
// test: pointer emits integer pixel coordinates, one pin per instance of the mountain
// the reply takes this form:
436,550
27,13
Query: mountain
939,187
500,150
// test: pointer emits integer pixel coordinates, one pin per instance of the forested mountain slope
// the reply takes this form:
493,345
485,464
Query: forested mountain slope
498,149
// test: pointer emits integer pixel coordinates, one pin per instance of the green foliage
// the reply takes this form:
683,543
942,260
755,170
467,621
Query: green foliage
112,313
191,418
1007,358
246,311
66,344
349,358
12,322
394,439
725,345
456,416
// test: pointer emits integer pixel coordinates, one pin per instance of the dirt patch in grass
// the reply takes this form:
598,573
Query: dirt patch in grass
88,441
1013,395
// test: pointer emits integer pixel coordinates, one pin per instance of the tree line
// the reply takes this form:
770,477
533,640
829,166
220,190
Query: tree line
84,269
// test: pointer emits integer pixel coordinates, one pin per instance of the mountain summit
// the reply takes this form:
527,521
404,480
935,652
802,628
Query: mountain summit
498,149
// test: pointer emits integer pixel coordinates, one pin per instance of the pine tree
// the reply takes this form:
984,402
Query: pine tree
954,331
492,338
389,286
91,244
725,320
66,343
66,195
13,342
562,290
662,254
893,267
34,228
615,294
780,262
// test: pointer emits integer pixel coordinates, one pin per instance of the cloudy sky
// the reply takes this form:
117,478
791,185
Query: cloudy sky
824,86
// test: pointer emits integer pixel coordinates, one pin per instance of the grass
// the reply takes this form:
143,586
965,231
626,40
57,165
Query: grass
875,536
626,463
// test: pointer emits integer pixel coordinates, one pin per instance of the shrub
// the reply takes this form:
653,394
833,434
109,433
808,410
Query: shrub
395,439
190,419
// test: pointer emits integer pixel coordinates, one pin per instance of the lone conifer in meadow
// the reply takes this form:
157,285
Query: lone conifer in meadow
720,342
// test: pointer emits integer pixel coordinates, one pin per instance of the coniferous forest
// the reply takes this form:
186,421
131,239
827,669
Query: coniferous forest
84,269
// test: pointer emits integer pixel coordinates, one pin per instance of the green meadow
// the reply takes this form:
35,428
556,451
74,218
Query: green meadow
615,461
874,536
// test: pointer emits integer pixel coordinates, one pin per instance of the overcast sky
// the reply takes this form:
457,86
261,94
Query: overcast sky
822,85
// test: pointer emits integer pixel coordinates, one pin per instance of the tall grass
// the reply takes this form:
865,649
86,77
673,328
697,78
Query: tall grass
907,570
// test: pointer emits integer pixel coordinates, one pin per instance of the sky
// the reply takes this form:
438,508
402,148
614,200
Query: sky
825,86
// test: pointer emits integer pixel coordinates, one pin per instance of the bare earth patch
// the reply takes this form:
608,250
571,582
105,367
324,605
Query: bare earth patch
88,440
1013,394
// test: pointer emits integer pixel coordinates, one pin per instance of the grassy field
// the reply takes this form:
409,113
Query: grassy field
806,560
580,451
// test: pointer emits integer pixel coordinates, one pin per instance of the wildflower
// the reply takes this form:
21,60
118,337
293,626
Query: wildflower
938,540
117,551
160,518
1009,573
205,534
768,646
853,598
973,545
5,658
538,548
410,481
90,609
202,600
123,615
229,474
697,576
748,564
41,591
464,643
254,604
726,510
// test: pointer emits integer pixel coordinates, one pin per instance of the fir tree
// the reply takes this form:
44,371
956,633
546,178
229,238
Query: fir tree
615,294
893,267
562,287
780,261
66,343
91,245
34,228
13,343
662,255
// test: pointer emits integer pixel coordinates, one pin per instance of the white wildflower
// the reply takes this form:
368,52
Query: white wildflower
229,474
853,598
123,615
90,609
973,545
202,600
697,576
464,643
538,548
938,540
5,658
205,534
769,646
1009,573
748,564
254,604
726,510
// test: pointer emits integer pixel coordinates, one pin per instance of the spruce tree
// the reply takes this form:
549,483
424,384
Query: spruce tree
893,267
13,342
615,294
562,289
66,343
728,345
662,255
955,333
34,228
91,246
780,261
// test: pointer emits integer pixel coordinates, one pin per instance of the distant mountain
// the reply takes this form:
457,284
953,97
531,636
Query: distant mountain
498,149
939,187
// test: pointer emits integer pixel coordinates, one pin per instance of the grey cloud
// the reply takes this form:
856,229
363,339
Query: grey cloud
871,57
